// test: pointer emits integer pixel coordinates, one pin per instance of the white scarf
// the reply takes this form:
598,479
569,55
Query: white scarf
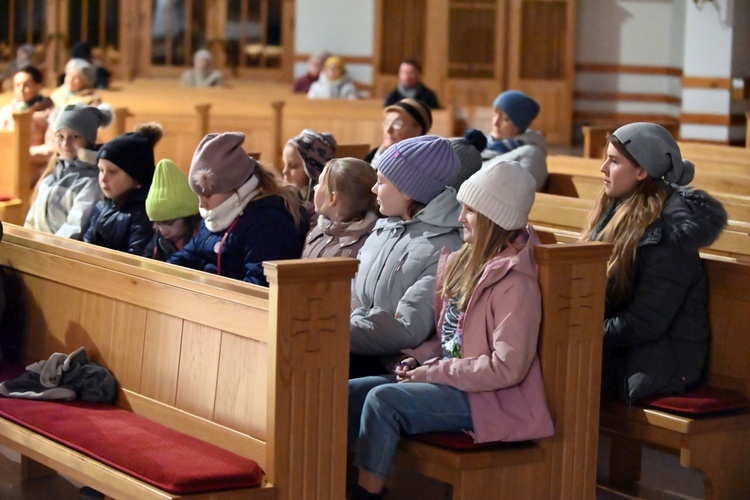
222,216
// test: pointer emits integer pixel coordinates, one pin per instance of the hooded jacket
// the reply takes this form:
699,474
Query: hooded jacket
499,370
532,156
657,341
122,225
393,298
338,239
66,199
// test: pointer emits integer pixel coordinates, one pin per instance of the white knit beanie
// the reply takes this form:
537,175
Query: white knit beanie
503,192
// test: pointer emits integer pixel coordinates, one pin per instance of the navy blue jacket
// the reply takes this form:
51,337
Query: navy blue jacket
121,226
264,231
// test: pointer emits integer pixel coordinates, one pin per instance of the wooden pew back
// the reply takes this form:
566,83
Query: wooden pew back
16,170
567,216
238,365
572,279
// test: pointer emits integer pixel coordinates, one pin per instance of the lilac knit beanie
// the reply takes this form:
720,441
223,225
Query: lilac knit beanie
420,167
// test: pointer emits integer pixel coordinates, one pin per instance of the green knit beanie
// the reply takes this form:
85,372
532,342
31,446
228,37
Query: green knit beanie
170,196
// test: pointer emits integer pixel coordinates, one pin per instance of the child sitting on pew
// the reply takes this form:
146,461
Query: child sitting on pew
656,330
346,209
126,169
248,215
480,373
172,207
65,196
304,157
333,82
394,290
512,139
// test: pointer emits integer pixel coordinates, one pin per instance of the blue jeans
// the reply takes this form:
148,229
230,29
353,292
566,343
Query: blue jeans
380,409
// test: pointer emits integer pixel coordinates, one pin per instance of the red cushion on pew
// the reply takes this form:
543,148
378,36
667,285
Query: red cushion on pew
153,453
460,441
701,401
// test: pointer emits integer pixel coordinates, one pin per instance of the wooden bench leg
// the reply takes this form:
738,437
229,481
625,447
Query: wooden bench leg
723,458
31,469
624,461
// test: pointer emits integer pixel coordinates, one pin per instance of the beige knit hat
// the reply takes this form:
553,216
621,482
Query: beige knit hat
503,192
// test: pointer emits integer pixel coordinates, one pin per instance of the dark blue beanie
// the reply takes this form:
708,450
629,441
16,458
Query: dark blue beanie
520,108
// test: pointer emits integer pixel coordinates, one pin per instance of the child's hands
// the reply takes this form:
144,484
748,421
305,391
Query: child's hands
403,368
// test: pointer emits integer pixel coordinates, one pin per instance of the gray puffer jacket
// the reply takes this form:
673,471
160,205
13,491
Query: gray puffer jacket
394,290
657,341
532,156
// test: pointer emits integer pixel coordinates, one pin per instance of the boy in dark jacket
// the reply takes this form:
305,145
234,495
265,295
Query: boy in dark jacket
126,168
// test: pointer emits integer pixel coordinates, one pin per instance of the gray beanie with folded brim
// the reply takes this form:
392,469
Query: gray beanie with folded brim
85,120
654,148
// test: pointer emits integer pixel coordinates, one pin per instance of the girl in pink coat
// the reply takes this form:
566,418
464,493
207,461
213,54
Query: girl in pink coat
480,374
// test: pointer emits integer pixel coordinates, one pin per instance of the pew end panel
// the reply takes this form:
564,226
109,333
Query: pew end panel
572,279
245,368
717,445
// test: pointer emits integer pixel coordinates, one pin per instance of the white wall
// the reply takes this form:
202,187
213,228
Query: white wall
630,32
345,27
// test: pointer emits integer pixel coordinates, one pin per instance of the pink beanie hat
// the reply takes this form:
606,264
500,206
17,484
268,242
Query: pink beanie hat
220,164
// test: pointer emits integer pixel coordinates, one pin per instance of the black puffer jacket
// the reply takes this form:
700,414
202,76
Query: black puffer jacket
122,226
658,341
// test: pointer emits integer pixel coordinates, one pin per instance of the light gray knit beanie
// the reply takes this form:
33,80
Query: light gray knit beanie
654,148
503,192
85,120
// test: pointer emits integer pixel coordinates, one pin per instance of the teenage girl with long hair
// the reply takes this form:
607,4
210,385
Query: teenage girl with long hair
656,332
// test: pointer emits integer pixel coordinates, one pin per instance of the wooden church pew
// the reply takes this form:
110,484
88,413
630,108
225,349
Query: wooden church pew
572,279
261,372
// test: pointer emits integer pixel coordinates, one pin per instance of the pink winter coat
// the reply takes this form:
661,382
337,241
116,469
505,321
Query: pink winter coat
500,369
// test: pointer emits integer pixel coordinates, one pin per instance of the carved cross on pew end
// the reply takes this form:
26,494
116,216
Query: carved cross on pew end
313,325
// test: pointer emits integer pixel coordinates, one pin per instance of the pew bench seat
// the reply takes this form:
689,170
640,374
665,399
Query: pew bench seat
137,456
715,443
571,280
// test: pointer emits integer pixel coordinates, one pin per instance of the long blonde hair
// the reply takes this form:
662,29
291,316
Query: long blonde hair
269,185
627,225
464,270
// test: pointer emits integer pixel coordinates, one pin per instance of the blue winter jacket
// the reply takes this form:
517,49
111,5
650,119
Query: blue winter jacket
264,231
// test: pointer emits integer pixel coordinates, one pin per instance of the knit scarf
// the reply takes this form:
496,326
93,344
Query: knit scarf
406,92
222,216
503,145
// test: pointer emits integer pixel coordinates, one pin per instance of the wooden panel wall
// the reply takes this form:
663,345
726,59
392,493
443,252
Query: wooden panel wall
402,35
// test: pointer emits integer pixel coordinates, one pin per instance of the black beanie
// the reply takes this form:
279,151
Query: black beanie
134,153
